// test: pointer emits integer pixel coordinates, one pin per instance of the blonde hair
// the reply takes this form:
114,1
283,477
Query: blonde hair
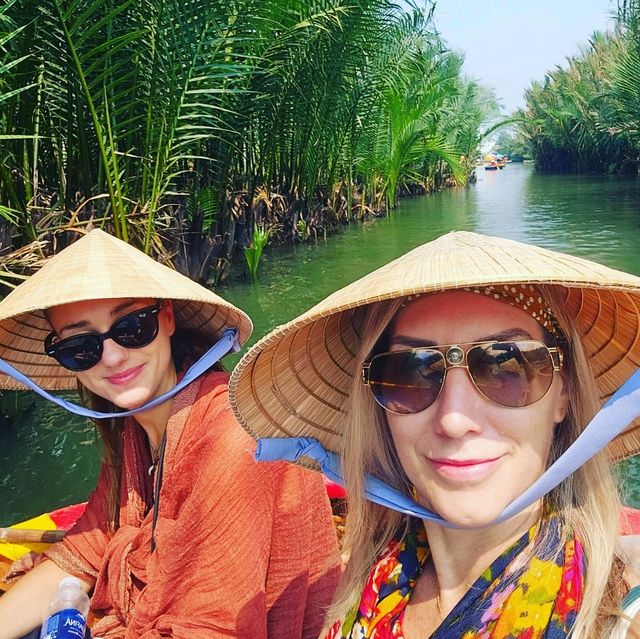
587,501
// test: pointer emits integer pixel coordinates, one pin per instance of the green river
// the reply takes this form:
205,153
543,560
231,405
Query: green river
49,459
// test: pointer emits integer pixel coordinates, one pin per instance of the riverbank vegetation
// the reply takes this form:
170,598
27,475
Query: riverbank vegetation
585,116
182,126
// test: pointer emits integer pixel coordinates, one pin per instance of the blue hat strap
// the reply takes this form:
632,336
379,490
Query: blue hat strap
228,342
293,448
620,411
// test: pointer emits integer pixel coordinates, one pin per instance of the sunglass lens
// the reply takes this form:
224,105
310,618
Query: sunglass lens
136,329
79,353
512,374
407,381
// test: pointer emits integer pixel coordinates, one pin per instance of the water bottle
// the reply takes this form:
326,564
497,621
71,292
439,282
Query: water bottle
67,614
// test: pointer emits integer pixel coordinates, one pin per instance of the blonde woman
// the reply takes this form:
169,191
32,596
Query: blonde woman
446,385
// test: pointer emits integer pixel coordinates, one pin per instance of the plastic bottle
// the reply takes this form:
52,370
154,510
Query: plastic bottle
67,614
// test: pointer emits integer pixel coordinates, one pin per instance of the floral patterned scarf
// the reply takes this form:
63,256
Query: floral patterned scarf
520,596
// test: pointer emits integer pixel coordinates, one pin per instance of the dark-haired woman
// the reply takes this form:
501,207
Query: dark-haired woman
184,535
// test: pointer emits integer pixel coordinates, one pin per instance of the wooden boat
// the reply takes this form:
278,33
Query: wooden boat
35,535
490,162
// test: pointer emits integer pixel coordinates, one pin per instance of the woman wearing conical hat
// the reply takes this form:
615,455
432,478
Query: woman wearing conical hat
184,535
451,390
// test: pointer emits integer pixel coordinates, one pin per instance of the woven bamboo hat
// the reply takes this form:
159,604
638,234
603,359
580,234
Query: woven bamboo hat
100,266
295,381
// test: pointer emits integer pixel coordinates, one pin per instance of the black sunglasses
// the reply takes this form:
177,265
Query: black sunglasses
512,374
83,351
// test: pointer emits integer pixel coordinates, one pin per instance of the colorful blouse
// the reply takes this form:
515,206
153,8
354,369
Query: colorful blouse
520,596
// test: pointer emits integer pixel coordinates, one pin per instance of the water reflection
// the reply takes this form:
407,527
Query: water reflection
48,457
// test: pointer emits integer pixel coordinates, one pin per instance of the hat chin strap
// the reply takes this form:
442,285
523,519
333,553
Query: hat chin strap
228,342
621,409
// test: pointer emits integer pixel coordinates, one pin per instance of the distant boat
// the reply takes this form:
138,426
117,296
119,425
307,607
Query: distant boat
490,162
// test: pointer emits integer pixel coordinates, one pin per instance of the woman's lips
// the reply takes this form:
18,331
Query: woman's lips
126,376
464,469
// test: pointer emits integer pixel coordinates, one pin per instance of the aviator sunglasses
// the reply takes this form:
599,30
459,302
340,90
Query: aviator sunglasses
512,373
83,351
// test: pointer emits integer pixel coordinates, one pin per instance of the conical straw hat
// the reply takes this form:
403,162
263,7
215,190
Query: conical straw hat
296,380
100,266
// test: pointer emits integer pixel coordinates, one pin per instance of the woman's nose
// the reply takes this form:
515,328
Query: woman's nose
458,407
113,354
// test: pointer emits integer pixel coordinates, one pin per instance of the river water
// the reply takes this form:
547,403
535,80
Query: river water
49,459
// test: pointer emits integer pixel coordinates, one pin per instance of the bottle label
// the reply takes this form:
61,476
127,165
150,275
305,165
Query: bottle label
64,624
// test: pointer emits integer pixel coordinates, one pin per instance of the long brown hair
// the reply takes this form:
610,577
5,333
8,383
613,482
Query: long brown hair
110,432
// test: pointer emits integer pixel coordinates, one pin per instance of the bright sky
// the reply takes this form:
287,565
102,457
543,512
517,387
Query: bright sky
508,43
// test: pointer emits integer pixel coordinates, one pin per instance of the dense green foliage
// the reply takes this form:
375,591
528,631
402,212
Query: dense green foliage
586,116
513,144
181,125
